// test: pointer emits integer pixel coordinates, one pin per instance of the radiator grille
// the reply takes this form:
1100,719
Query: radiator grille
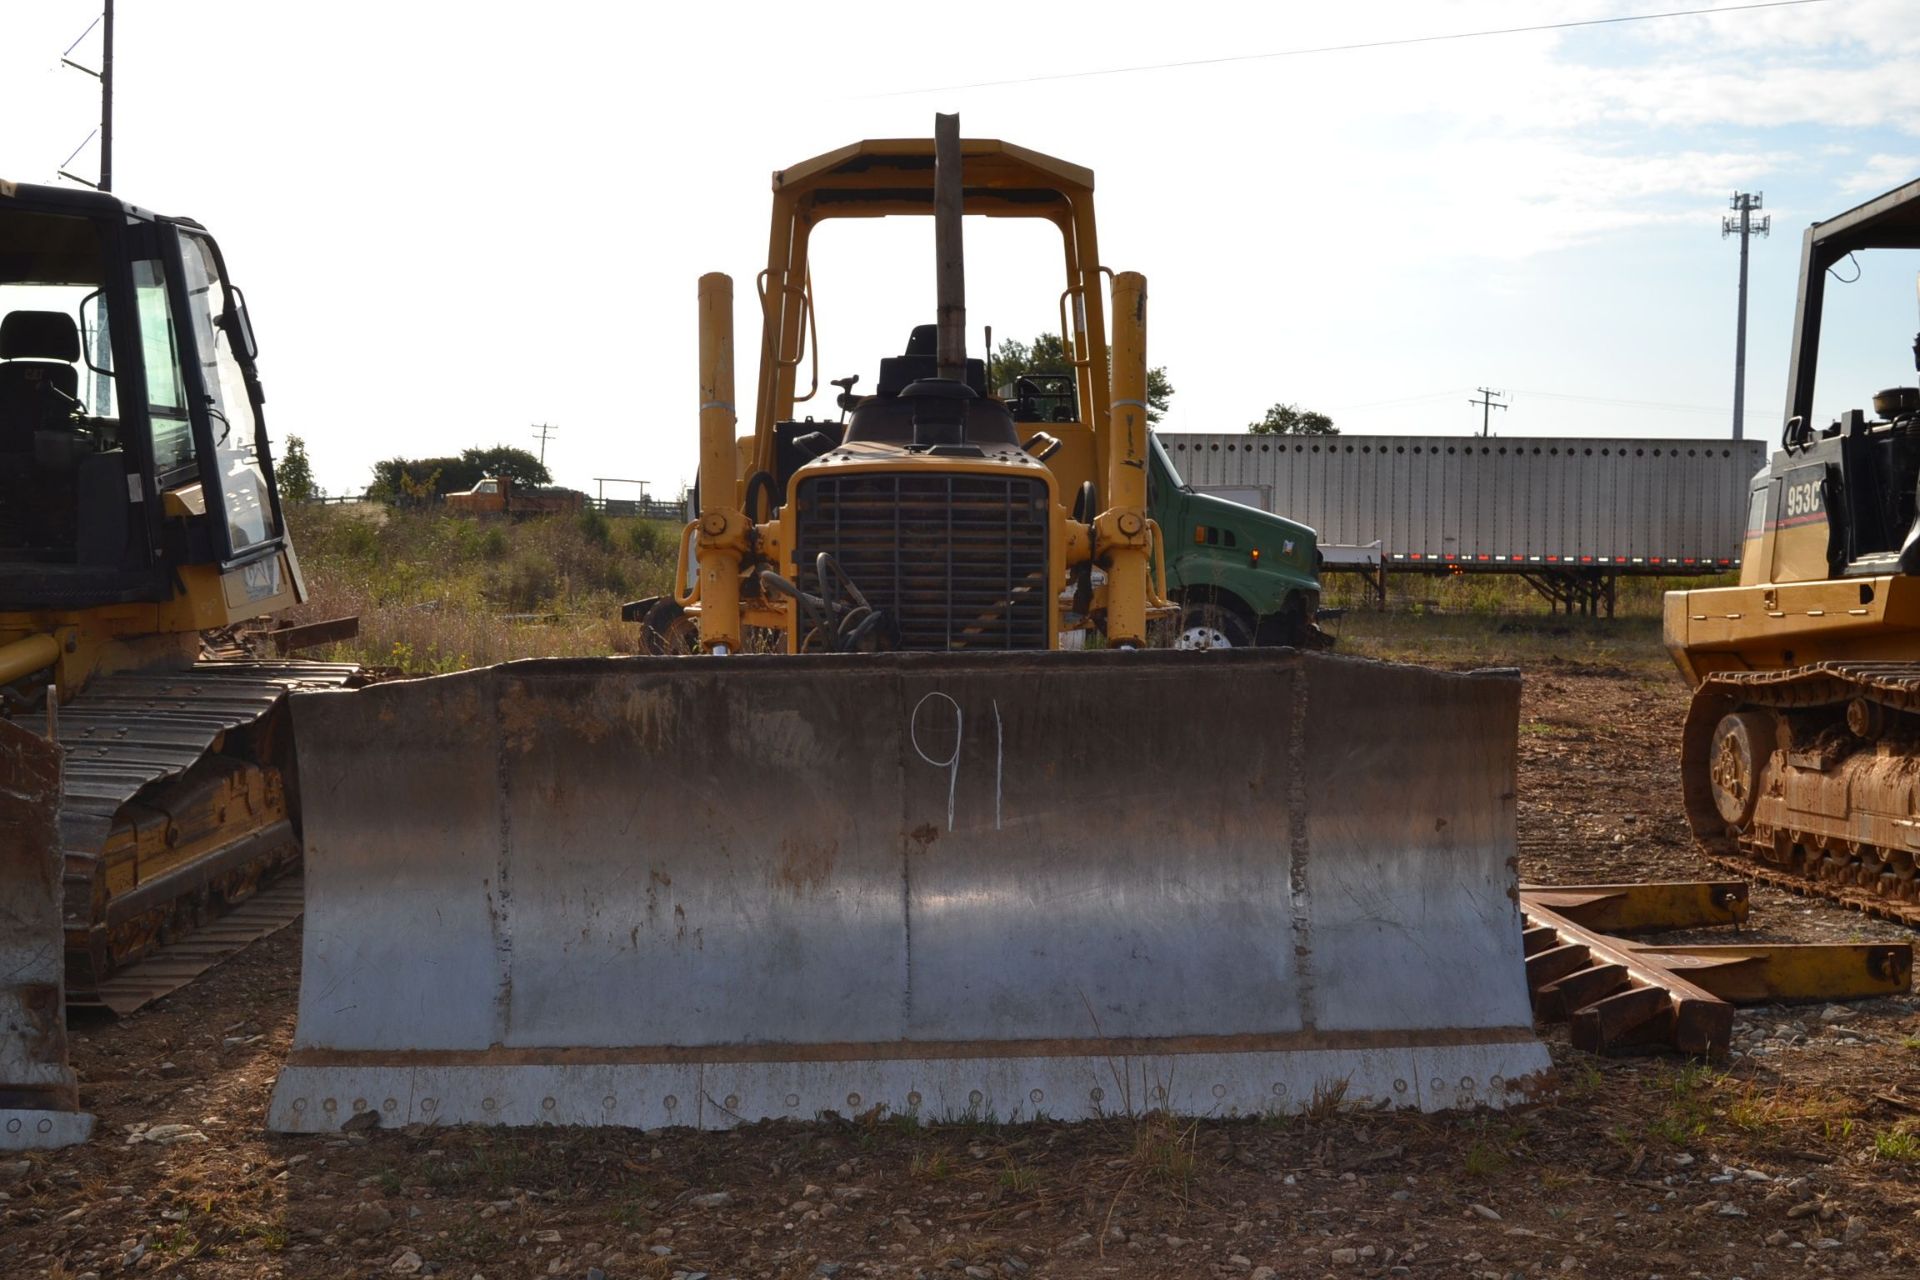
955,561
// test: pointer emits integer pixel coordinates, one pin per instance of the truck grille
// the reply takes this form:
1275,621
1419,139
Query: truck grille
955,561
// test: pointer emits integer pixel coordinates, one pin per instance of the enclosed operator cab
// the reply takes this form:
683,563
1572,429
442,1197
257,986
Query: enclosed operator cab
1830,563
136,489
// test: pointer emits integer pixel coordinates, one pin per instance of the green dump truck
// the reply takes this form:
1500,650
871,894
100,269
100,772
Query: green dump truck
1242,576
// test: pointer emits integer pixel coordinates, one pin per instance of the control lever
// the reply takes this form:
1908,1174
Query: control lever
846,399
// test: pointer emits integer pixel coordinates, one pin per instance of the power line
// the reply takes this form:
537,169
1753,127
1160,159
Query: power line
1448,394
1667,405
1631,404
1346,48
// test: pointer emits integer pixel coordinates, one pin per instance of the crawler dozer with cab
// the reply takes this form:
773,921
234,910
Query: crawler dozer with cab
924,861
141,790
1802,743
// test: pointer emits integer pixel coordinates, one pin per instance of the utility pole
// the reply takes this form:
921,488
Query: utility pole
106,100
105,76
543,432
1746,227
1488,402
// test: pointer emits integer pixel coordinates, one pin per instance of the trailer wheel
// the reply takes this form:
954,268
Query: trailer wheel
1212,625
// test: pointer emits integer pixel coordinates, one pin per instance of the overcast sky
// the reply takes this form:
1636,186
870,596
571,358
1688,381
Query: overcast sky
454,221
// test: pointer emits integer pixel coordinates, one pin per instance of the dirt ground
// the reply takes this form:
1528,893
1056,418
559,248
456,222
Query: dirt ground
1800,1155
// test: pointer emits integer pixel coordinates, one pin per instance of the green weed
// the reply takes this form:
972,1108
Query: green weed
1900,1144
1018,1178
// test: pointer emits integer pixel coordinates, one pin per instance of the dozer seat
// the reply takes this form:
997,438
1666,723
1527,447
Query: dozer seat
922,360
39,384
885,418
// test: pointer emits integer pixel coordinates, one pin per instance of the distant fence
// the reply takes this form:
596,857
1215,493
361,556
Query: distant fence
645,508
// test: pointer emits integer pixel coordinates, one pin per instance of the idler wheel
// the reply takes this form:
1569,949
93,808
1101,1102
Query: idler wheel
1867,720
1742,744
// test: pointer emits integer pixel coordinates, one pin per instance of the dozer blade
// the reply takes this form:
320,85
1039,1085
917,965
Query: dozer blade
39,1100
701,891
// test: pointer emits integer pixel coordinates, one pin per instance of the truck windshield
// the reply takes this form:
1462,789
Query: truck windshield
1160,455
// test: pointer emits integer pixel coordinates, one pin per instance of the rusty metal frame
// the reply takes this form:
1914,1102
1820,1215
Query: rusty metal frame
1611,997
1617,995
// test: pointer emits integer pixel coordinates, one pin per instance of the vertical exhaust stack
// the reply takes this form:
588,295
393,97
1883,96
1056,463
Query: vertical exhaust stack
940,402
723,527
950,281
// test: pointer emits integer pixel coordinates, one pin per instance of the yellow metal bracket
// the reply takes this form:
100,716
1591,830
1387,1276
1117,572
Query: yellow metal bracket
1642,908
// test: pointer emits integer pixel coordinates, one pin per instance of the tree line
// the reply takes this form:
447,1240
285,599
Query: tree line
423,479
1048,354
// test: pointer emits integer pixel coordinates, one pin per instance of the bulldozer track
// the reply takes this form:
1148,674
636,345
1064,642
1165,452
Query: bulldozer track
177,963
1870,904
1815,688
142,748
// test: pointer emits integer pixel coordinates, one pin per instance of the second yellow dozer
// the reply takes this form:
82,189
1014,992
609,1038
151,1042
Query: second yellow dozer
142,790
921,863
1801,750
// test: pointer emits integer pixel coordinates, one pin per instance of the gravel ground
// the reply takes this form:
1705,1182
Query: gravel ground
1800,1155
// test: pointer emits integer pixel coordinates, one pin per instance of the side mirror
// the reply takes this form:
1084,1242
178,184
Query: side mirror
239,326
93,333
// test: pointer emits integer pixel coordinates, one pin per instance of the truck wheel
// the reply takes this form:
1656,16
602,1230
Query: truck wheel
1212,626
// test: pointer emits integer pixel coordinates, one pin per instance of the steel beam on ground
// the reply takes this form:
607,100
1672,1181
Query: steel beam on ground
1641,908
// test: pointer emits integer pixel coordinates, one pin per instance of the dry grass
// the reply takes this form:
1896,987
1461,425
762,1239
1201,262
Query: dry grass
1483,619
437,592
1758,1109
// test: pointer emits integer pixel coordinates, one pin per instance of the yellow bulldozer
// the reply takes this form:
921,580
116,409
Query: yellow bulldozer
1800,748
927,860
142,790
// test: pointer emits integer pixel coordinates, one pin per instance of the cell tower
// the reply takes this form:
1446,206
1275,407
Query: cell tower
1746,226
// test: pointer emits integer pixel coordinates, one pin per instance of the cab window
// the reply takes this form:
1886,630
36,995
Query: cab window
245,499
